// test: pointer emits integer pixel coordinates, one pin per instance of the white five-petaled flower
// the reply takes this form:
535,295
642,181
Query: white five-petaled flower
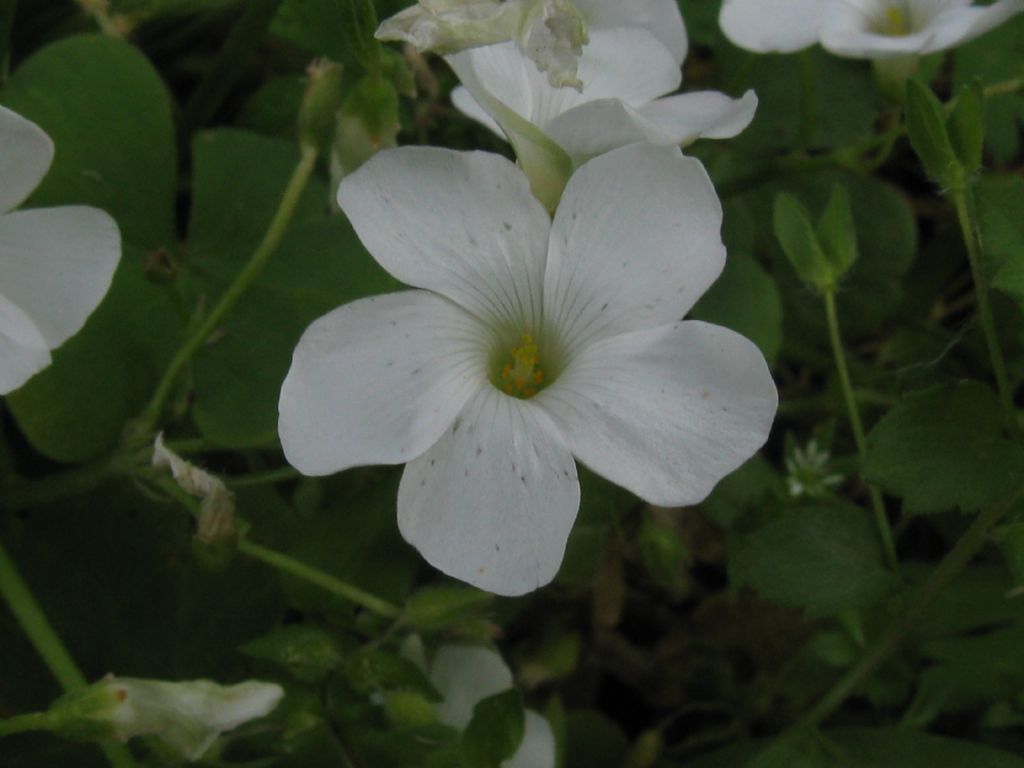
633,57
56,264
869,29
466,675
527,342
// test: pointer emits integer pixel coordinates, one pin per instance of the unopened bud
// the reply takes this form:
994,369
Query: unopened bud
368,122
320,104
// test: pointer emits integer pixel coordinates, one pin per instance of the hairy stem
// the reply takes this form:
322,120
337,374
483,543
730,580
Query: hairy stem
962,553
877,504
278,226
964,202
313,575
49,647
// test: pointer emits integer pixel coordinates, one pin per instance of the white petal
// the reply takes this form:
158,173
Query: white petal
537,749
493,502
628,64
57,264
600,126
772,26
23,350
465,675
462,224
463,101
701,115
665,412
378,381
635,242
959,26
659,17
25,156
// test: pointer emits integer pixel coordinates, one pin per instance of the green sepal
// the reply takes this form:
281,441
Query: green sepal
800,243
439,607
320,104
966,126
837,233
926,126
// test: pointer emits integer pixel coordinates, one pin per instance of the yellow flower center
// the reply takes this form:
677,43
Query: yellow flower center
522,377
896,22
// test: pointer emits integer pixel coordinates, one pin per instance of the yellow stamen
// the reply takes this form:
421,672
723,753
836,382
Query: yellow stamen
896,23
521,377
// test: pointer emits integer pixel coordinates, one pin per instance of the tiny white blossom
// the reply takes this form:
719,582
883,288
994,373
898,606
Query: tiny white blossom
56,264
632,59
807,471
529,341
869,29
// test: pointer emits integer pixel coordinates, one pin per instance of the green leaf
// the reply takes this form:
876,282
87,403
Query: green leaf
995,58
316,26
307,653
966,126
1000,201
437,607
495,732
837,232
109,115
926,126
373,669
799,242
663,554
320,264
593,741
825,559
943,448
800,748
745,299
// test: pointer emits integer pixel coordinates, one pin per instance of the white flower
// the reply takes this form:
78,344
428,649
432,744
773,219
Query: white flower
188,716
551,33
465,676
55,263
632,59
871,29
576,319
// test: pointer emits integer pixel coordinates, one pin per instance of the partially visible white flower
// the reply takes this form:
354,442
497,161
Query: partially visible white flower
466,675
529,341
187,716
633,58
550,33
56,264
870,29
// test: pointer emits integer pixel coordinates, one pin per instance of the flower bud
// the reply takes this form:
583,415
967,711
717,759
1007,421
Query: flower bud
187,716
368,122
320,104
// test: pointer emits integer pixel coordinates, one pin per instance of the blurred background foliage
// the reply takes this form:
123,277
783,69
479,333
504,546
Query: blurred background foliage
701,637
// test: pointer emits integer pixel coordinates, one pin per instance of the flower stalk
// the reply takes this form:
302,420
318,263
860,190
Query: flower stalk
963,200
48,645
271,240
857,426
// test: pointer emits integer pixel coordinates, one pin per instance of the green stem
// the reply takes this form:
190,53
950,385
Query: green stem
100,12
315,576
34,721
245,278
877,504
246,34
263,478
48,645
74,482
962,553
964,202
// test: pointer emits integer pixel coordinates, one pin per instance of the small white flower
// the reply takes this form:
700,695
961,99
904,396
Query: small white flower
529,341
632,59
807,471
56,264
870,29
465,676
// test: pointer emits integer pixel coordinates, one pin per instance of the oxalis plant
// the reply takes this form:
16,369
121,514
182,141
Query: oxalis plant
522,383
